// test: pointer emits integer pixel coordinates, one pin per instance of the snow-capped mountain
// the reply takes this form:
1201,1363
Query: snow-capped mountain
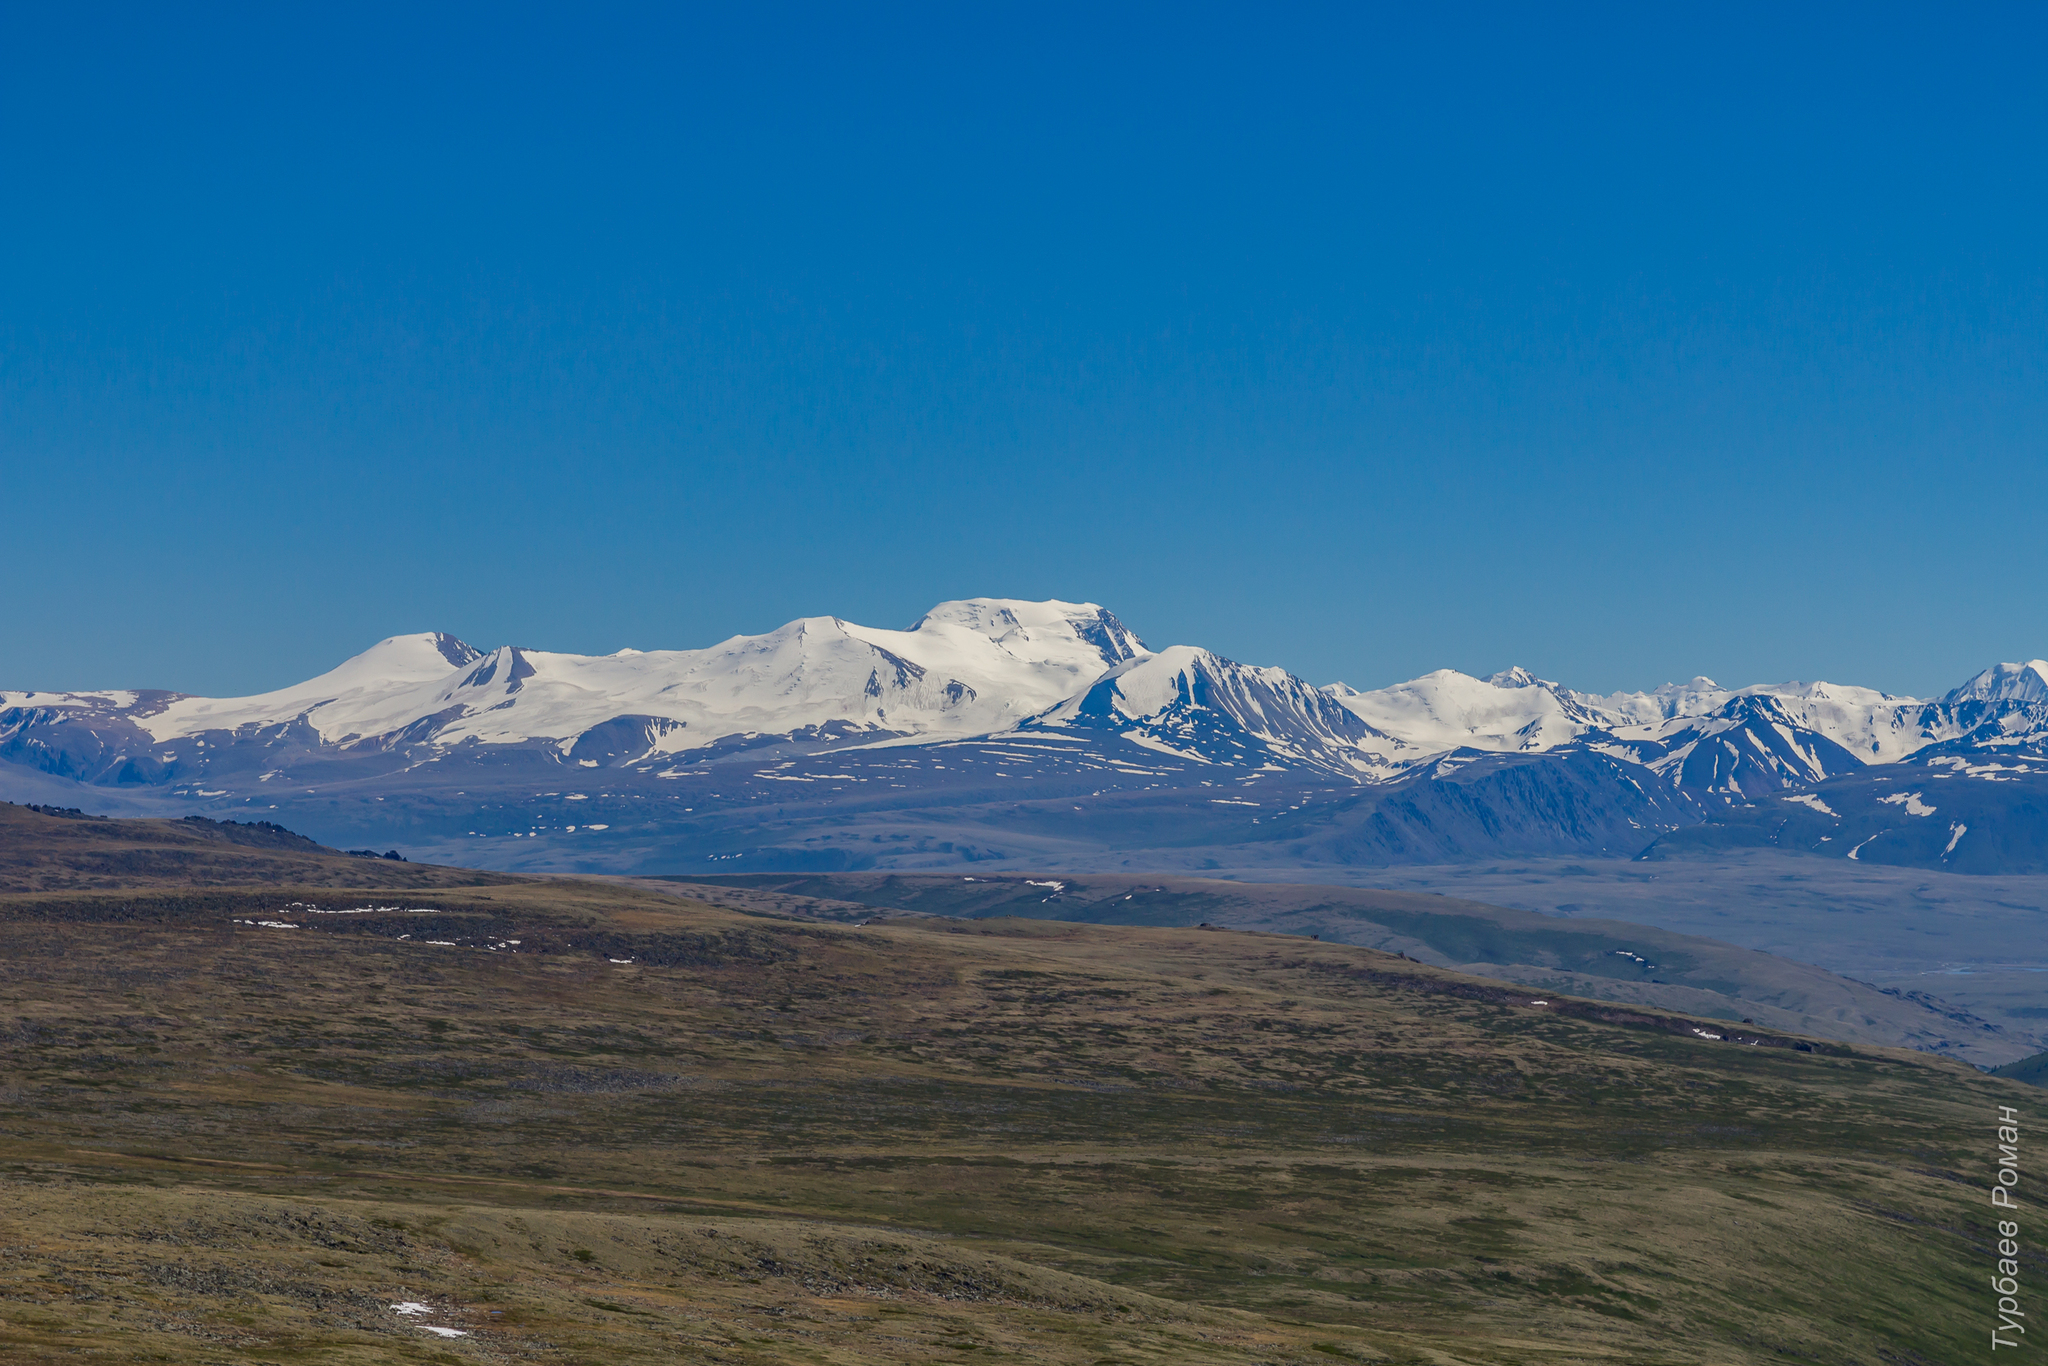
2026,682
1510,712
986,665
1196,705
1516,712
1750,745
980,699
964,668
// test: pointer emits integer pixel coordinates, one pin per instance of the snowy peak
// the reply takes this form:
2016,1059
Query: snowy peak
1509,712
348,696
2025,682
1199,705
1144,687
1754,744
967,668
1695,698
1051,630
417,658
1516,711
809,674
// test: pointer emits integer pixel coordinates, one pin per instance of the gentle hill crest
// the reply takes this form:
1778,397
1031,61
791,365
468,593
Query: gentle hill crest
44,852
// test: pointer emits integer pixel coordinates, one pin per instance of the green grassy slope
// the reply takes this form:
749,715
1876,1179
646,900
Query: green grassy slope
762,1141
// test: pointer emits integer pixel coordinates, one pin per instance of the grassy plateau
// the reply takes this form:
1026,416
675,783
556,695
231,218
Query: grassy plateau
264,1103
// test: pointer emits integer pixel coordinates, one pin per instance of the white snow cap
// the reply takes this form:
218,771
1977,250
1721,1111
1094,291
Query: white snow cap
2027,682
1147,686
1049,630
1512,710
978,666
965,668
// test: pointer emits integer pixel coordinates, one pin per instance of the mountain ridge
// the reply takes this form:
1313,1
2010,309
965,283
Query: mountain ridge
1026,661
1059,697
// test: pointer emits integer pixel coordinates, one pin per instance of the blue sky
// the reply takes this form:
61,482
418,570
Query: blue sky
1622,346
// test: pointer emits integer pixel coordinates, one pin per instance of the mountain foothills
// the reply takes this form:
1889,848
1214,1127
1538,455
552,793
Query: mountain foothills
1039,734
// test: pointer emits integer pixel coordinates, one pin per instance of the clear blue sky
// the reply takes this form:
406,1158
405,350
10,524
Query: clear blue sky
1619,344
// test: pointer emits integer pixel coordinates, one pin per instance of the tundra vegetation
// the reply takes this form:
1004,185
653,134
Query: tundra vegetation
266,1103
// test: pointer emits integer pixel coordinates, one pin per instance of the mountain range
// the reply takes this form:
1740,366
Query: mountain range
1029,731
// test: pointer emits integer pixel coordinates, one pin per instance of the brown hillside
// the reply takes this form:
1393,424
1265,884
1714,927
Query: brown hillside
48,853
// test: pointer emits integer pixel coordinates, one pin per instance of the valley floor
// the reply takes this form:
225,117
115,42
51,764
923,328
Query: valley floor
1979,941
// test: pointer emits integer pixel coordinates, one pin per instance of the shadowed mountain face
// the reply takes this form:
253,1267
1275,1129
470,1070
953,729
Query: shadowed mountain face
1031,799
1039,734
1961,815
1197,705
